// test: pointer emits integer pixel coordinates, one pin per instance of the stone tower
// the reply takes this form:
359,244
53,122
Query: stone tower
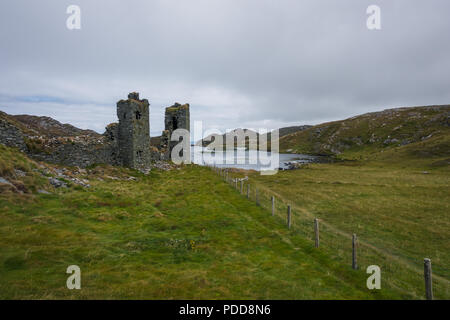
176,117
133,133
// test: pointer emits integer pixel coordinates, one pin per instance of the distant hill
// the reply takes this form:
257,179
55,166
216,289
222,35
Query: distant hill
211,139
424,131
45,126
282,132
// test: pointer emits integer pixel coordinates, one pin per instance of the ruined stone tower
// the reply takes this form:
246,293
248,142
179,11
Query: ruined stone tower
176,117
133,132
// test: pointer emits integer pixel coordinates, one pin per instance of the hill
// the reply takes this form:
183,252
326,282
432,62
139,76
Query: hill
45,126
209,141
212,140
419,131
47,139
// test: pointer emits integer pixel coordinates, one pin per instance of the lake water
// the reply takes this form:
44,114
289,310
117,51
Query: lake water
250,160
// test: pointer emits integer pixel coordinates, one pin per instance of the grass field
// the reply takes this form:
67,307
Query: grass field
185,234
399,211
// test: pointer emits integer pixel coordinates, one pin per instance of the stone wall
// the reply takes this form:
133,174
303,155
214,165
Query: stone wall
80,154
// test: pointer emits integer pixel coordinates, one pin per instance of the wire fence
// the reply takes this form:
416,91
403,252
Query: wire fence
348,249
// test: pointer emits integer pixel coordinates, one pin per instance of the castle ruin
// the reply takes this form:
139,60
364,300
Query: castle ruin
126,143
132,134
176,117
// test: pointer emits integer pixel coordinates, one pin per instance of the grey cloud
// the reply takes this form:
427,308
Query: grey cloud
238,63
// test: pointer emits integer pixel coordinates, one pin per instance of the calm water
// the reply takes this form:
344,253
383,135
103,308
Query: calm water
250,160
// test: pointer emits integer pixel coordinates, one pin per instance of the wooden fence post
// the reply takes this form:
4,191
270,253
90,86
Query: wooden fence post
248,191
289,216
316,231
354,264
235,183
273,205
242,186
428,278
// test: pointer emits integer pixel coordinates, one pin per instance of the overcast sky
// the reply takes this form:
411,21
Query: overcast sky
239,63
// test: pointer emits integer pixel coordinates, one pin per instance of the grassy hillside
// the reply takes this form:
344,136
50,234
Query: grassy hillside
178,234
421,131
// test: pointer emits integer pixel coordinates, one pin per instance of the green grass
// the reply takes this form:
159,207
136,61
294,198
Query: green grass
399,213
185,234
181,234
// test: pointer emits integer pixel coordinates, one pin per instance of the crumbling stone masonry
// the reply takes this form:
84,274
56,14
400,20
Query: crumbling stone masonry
133,132
176,117
126,143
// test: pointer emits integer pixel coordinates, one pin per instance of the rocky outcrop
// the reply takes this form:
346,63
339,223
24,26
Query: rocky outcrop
46,126
288,130
11,136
